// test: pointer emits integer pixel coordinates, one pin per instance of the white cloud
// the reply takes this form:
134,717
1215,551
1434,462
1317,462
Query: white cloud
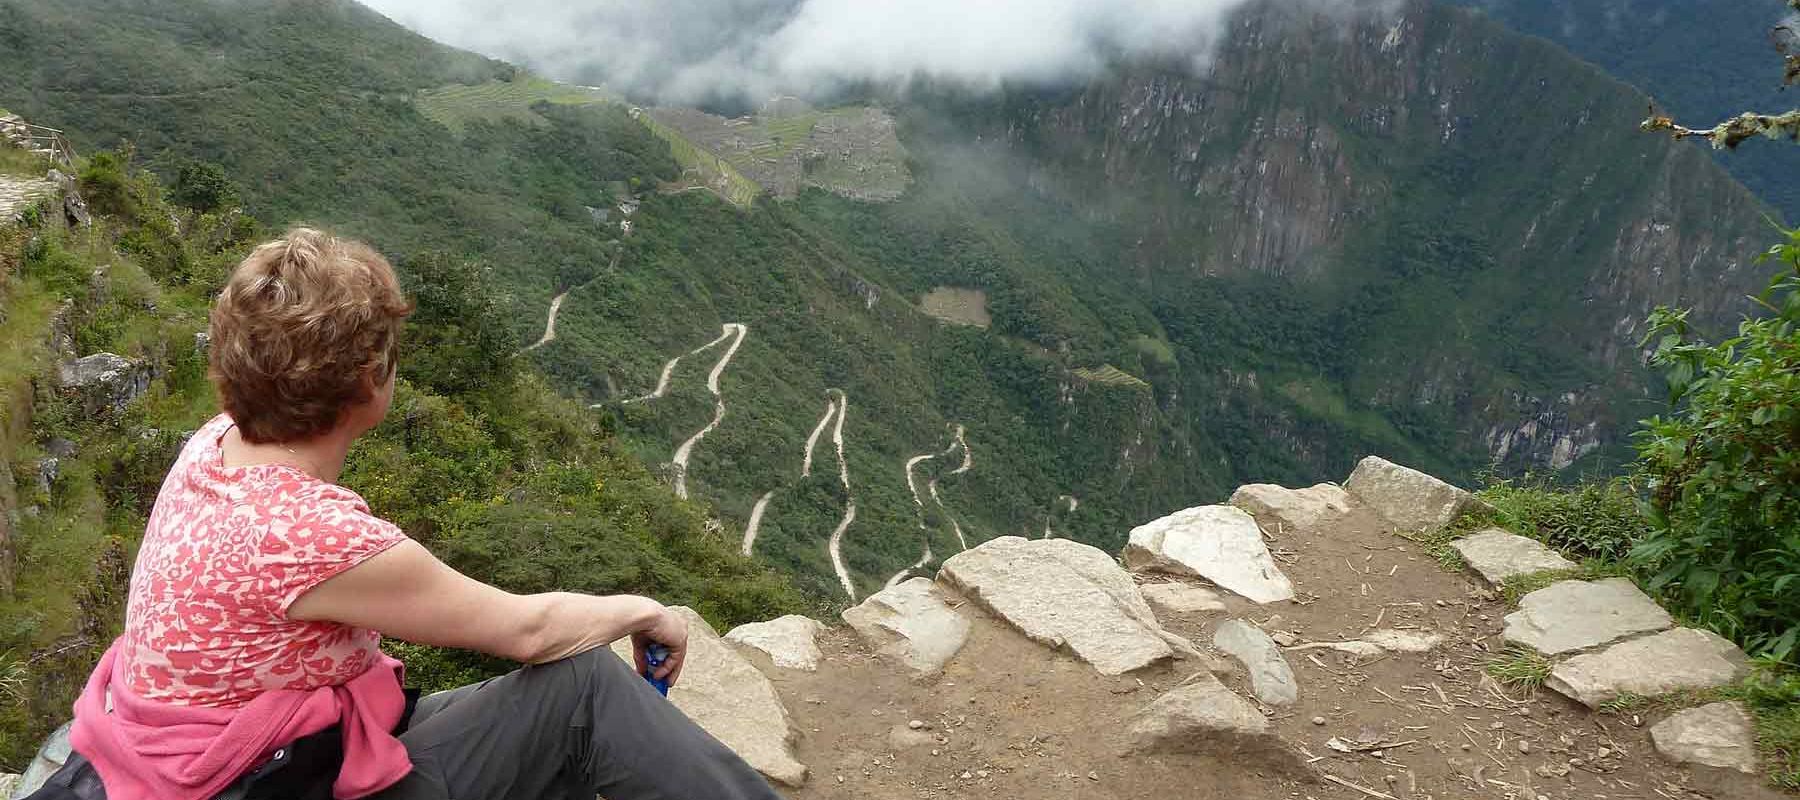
687,50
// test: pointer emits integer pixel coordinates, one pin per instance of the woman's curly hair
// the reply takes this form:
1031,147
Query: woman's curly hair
303,328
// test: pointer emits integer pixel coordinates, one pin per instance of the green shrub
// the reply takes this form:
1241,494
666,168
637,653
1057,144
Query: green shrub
1594,520
1723,469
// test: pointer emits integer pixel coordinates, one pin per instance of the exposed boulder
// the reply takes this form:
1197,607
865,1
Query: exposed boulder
1270,676
105,382
1713,735
1497,555
1181,598
1278,507
789,641
50,758
1219,543
731,699
1575,615
1063,594
910,623
1412,500
1684,658
1205,717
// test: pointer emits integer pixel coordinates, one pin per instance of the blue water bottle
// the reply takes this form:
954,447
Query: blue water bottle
654,656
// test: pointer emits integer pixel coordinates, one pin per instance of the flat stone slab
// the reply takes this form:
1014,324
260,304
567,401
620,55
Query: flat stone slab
1714,735
1204,716
1219,543
1270,676
1575,615
791,642
1412,500
731,699
1684,658
1278,508
909,623
1181,598
1063,594
1497,555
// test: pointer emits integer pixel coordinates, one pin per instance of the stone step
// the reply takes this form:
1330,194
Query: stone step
1570,616
1671,661
1497,555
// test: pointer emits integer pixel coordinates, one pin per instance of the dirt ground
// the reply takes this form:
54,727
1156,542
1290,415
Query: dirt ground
1010,719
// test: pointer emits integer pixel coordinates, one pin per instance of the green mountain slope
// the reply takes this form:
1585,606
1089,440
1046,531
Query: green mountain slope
1703,60
1430,239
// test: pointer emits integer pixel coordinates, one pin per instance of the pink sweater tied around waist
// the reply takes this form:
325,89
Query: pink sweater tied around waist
148,750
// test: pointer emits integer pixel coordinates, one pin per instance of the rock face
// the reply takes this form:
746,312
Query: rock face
1684,658
1575,615
1180,598
909,623
50,758
1219,543
789,641
1498,555
1205,717
732,700
1270,676
1062,594
1410,499
1290,509
1713,735
105,381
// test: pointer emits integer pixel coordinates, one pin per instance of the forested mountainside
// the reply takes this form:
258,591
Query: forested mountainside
1703,60
1420,235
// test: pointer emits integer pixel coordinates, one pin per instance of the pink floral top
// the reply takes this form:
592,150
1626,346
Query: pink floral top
226,551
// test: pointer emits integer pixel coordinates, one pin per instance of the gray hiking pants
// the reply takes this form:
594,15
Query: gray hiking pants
574,728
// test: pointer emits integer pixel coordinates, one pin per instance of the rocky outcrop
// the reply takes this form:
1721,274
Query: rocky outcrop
1497,555
1270,676
1412,500
909,623
50,758
726,695
1575,615
1718,735
1671,661
1219,543
1062,594
1205,717
105,382
1278,508
789,642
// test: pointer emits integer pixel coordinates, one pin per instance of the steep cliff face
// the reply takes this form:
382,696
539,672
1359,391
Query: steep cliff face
1474,213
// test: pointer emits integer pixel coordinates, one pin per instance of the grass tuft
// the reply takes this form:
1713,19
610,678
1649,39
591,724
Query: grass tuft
1521,667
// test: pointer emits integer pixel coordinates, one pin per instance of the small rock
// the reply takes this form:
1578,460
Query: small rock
1219,543
1065,595
1205,717
1412,500
1285,638
901,737
981,773
790,641
1524,746
1714,735
1093,776
967,775
1684,658
1497,555
1177,599
910,623
1318,720
1574,615
1270,675
916,724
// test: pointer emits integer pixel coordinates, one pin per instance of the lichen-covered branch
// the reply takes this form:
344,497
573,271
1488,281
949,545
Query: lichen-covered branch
1733,132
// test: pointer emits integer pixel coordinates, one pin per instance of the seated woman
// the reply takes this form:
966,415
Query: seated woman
250,665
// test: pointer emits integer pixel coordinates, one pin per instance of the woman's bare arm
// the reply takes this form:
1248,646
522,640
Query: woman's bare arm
407,593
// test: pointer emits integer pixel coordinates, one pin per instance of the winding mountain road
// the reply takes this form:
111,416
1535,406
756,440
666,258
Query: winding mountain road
686,450
756,515
668,370
835,546
812,441
550,323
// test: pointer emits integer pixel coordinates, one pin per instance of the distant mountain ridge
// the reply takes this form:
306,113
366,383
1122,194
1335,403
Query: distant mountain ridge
1421,235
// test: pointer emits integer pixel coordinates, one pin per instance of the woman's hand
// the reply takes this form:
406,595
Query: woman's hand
670,630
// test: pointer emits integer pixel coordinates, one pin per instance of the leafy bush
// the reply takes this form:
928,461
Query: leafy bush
1723,469
1596,520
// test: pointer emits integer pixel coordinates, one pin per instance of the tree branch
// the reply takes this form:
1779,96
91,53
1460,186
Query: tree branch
1733,132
